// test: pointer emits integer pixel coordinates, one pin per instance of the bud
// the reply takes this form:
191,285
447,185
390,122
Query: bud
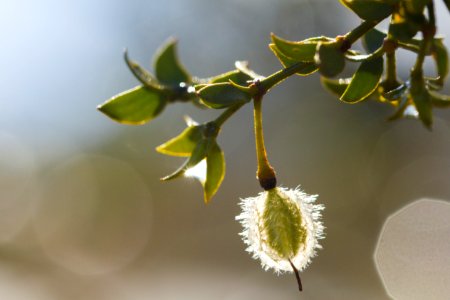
282,226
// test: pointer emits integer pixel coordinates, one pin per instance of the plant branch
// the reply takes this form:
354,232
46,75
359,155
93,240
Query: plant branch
265,172
272,80
227,114
391,70
358,32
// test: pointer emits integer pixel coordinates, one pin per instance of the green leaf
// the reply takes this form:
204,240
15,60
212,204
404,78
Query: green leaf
167,66
309,68
183,144
364,81
198,154
206,151
330,59
298,51
142,74
440,56
422,101
439,100
215,171
222,95
403,30
370,10
235,76
134,107
373,40
336,86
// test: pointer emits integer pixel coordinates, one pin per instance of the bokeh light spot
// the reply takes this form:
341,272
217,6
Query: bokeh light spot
93,216
412,252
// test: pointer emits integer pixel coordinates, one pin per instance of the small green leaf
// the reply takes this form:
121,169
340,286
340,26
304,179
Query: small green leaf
198,154
370,10
440,56
403,29
439,100
309,68
336,86
364,81
215,171
134,107
222,95
330,59
422,101
299,51
183,144
373,40
167,66
142,74
235,76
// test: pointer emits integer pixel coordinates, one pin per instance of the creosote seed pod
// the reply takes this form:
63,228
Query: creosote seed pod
282,228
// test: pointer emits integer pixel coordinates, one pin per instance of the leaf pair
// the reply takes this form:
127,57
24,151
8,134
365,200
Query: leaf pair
301,52
206,160
318,53
143,103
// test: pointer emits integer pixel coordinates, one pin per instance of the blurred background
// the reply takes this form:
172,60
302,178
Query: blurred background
83,214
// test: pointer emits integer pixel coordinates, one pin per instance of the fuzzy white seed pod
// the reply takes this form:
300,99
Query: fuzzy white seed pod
282,226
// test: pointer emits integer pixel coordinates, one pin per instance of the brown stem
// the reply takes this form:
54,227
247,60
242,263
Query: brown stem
265,172
297,276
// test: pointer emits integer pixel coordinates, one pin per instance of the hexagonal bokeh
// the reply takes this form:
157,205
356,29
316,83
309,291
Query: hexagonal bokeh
413,251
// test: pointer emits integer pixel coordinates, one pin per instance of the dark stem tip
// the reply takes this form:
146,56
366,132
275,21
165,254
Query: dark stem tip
268,183
297,276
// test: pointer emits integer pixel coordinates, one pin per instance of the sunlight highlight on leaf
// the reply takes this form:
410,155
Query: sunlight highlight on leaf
198,171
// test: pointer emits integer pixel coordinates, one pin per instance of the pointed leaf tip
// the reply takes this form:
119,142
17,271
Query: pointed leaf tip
142,74
370,10
336,86
184,143
308,68
198,154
